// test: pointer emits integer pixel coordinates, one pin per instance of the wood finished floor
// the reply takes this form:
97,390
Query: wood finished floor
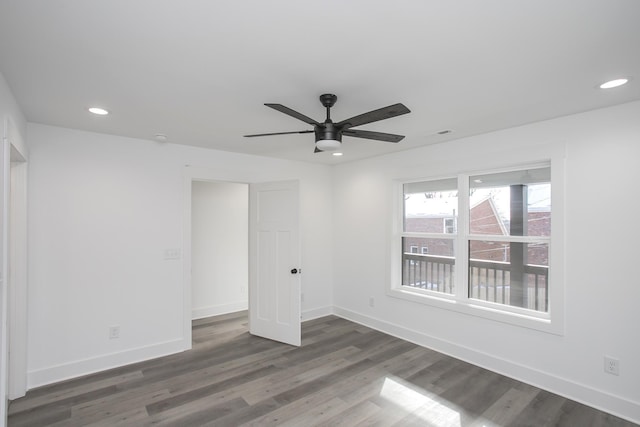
344,374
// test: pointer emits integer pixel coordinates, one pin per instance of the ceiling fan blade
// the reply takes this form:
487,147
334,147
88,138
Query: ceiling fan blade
278,133
317,150
373,116
288,111
378,136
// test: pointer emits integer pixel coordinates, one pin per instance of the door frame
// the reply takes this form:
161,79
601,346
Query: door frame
13,313
190,174
17,275
196,173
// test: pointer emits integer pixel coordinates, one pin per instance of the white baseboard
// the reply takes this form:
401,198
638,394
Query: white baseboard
216,310
616,405
88,366
315,313
79,368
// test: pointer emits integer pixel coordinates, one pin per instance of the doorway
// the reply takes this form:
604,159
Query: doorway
262,257
219,247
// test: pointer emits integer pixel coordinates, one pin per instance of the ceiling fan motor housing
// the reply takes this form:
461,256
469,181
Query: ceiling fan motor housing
328,135
327,131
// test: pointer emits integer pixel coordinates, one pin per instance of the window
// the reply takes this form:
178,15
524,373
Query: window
511,269
426,206
450,225
489,245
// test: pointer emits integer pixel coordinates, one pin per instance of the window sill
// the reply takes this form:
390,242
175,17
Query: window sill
540,322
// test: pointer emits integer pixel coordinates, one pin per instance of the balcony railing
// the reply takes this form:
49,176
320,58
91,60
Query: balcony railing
432,272
488,280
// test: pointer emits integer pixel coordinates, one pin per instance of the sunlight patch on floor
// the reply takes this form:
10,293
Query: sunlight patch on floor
419,403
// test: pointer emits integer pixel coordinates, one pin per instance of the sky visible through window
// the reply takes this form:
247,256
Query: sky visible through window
446,202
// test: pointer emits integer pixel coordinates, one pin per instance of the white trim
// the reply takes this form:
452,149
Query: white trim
551,321
92,365
190,174
316,313
17,279
217,310
442,236
4,306
461,247
88,366
509,239
186,261
590,396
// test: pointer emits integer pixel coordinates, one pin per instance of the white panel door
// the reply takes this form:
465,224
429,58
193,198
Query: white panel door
274,262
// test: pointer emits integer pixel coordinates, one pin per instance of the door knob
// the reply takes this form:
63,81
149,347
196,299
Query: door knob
294,271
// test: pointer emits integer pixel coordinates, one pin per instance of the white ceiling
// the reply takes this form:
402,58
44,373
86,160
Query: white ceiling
199,71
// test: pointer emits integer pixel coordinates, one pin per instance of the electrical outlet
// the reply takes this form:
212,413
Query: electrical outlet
611,365
372,302
114,332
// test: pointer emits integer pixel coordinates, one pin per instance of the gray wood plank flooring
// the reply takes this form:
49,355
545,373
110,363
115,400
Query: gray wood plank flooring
344,374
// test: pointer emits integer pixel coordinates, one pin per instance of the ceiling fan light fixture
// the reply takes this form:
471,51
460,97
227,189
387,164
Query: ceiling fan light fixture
328,144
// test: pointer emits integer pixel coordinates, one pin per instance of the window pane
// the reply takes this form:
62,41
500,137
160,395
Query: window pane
511,203
431,206
431,267
509,273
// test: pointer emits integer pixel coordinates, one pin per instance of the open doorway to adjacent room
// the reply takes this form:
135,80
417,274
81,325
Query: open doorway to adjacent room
219,247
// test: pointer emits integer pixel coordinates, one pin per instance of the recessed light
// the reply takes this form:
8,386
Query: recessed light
337,154
160,137
613,83
99,111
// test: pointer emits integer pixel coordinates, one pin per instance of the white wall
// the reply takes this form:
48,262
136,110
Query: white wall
601,238
13,128
220,247
102,212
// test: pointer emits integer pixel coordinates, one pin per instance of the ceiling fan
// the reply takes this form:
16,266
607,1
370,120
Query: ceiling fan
329,134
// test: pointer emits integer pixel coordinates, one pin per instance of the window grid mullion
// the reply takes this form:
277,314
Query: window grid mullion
462,247
448,236
501,238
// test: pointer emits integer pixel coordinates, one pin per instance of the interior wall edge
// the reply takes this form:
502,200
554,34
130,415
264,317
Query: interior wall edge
598,399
